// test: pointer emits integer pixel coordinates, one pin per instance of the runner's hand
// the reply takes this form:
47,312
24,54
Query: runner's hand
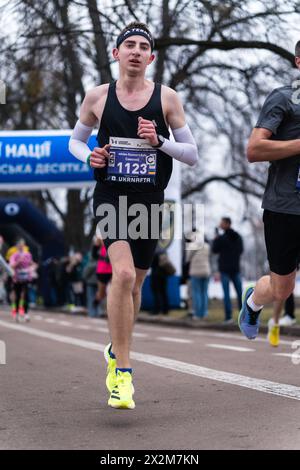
146,130
99,155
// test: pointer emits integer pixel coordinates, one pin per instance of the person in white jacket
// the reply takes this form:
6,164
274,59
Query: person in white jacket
198,256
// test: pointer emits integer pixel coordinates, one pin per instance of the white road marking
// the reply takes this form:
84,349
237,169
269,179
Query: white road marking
64,323
83,327
282,341
283,354
230,348
174,340
189,332
265,386
139,335
102,330
143,327
236,337
159,328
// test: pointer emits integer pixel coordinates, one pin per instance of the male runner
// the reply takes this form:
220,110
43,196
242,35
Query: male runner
133,160
276,138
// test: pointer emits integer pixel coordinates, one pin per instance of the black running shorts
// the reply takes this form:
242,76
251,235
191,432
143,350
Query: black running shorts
282,235
115,223
104,278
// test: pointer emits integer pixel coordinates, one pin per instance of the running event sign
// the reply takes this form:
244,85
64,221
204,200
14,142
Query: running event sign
41,159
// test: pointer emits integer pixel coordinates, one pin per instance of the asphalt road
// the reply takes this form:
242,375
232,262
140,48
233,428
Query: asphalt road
195,389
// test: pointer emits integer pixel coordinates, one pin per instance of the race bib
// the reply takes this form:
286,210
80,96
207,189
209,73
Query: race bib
22,275
131,161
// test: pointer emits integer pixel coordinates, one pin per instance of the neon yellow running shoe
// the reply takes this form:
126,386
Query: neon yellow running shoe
111,378
273,335
121,395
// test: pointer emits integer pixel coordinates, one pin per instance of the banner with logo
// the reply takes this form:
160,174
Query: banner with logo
41,159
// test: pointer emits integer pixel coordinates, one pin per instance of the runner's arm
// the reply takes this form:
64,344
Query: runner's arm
184,148
83,130
262,149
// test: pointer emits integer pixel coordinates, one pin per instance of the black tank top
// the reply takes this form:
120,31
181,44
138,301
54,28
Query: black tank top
119,122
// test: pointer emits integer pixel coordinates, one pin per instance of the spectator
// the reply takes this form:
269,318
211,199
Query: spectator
103,271
198,256
5,271
74,271
229,247
1,245
90,279
186,279
161,269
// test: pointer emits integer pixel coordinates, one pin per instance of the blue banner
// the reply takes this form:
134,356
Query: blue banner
41,159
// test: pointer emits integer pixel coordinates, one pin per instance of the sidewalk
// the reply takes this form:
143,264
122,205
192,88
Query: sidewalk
209,325
178,318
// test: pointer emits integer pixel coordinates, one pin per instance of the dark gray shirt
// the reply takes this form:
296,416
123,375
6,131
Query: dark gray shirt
281,115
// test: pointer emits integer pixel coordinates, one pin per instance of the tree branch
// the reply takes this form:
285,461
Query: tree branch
229,179
49,199
225,46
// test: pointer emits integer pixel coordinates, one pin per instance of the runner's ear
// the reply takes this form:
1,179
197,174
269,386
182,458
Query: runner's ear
115,53
151,59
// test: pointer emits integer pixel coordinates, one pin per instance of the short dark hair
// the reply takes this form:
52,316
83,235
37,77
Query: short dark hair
136,24
297,49
227,220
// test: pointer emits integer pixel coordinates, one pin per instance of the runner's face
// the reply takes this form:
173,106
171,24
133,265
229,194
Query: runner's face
134,54
297,62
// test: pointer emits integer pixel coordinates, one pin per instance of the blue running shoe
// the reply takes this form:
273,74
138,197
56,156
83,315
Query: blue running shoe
248,319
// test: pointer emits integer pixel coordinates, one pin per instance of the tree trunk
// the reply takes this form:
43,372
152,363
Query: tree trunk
161,55
101,57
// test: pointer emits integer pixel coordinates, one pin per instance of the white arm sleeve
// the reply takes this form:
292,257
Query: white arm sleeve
184,149
78,141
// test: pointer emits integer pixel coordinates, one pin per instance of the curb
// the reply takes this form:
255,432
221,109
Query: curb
192,324
184,322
